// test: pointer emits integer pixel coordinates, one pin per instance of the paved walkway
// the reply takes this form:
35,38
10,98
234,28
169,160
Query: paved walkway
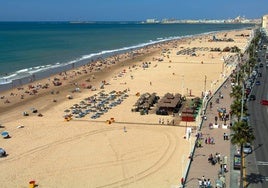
200,165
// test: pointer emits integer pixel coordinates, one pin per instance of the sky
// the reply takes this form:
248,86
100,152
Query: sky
128,10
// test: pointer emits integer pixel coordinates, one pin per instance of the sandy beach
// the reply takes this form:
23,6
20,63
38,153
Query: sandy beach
129,150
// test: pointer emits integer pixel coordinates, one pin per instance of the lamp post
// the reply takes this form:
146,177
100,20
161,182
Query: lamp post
242,102
182,84
182,166
205,84
182,171
222,68
243,93
186,126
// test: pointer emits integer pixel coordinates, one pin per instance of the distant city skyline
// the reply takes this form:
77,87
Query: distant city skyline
132,10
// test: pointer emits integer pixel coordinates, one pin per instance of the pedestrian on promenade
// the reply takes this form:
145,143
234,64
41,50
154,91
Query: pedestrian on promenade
200,183
226,136
211,140
205,183
208,183
225,168
219,157
210,157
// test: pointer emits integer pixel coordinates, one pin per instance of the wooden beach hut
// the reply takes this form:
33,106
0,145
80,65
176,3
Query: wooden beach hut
169,104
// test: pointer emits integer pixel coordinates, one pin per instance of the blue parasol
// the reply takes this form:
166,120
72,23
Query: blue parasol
5,134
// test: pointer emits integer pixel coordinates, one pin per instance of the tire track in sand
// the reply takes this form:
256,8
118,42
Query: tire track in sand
157,165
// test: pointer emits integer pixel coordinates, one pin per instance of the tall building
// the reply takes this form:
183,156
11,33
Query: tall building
265,21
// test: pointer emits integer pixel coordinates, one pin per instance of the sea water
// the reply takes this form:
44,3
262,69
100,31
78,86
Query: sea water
28,48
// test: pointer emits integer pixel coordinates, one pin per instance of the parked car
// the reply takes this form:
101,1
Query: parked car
247,149
252,97
237,162
258,83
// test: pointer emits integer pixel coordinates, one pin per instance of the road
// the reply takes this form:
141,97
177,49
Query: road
257,162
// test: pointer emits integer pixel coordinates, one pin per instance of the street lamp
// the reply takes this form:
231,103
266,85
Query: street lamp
242,102
222,68
182,166
205,84
182,84
243,93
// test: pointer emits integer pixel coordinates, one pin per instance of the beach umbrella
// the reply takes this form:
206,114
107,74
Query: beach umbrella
34,110
2,152
5,134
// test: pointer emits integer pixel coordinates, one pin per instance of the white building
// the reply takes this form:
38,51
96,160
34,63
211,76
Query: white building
152,21
265,21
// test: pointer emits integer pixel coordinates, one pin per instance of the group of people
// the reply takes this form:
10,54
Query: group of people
214,159
162,121
225,136
204,183
209,140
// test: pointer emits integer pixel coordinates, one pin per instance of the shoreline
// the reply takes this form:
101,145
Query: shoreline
83,151
32,74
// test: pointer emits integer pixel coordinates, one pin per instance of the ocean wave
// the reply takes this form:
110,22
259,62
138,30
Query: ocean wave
22,71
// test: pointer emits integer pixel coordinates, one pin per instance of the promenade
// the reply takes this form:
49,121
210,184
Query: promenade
201,168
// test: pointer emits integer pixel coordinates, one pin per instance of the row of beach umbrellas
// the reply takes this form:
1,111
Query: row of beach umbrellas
97,104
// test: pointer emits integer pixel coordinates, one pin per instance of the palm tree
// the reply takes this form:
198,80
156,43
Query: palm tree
236,109
250,64
236,92
242,134
236,76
